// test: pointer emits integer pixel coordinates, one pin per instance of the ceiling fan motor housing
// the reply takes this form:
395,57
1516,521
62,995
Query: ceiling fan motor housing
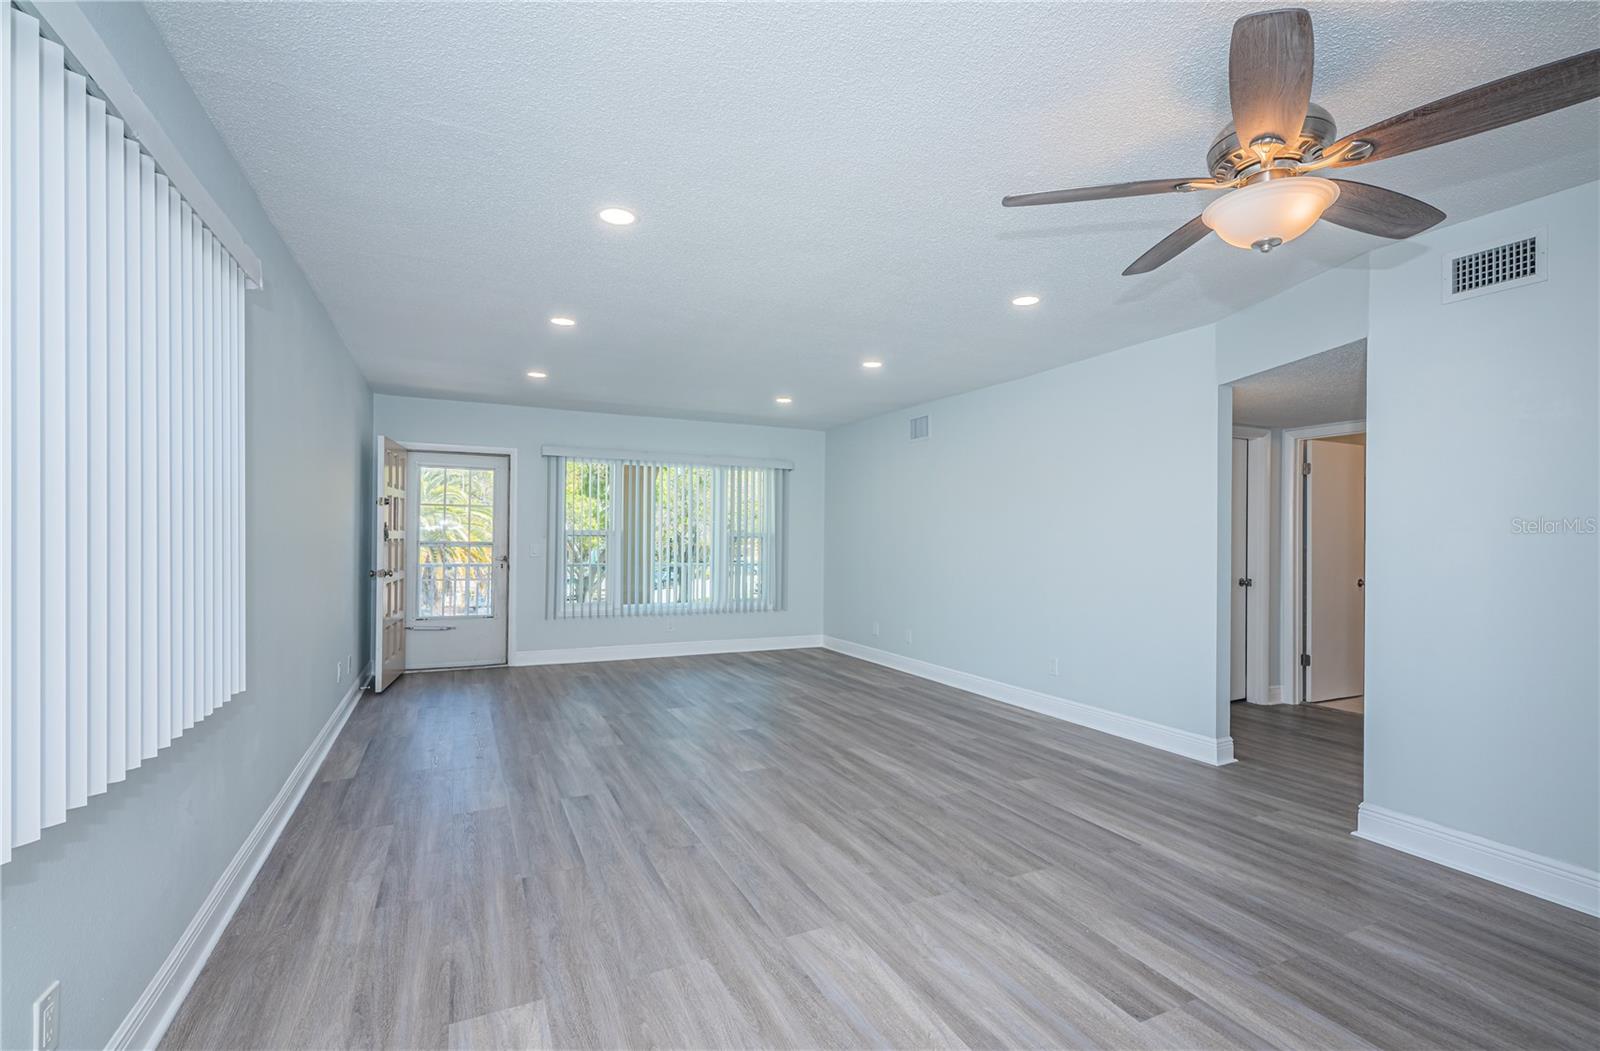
1230,159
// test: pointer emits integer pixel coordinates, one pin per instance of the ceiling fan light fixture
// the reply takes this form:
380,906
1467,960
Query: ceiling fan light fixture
1270,213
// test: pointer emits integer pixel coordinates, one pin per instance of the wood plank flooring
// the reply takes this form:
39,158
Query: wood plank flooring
799,849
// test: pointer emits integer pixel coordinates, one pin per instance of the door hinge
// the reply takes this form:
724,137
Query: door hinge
1305,660
1305,468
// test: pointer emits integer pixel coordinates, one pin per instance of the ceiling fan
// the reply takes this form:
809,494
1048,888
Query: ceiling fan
1264,159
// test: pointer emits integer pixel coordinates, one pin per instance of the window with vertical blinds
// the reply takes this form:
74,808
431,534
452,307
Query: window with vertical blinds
635,536
121,448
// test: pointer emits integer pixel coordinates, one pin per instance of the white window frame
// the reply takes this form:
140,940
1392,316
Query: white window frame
722,560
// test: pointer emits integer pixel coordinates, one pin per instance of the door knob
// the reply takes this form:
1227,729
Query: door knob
1361,582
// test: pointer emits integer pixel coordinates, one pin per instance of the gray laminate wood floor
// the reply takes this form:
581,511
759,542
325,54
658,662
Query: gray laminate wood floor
799,849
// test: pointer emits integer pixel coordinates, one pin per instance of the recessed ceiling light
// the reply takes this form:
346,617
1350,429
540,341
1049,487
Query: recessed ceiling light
1025,301
564,322
872,364
617,216
783,399
537,375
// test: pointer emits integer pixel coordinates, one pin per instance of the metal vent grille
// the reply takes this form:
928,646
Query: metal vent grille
1492,266
921,428
1512,263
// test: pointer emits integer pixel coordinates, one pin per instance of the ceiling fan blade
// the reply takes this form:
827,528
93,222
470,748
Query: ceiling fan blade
1103,193
1374,210
1508,100
1269,74
1169,247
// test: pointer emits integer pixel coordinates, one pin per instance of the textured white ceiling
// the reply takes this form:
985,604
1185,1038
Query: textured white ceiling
816,184
1330,387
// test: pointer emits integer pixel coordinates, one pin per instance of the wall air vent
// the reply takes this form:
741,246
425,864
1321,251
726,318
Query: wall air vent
1495,269
921,428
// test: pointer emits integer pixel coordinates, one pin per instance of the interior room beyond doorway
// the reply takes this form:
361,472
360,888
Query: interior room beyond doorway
1298,585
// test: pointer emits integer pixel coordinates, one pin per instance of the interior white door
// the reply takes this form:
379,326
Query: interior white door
1241,565
1335,568
457,608
388,571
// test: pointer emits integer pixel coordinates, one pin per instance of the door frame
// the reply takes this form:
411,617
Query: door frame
512,576
1258,557
1291,621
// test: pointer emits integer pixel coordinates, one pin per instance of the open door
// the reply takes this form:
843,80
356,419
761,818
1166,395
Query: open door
1239,611
1335,568
389,573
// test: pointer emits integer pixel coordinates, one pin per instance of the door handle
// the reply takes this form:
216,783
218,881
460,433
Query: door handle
1246,582
1361,582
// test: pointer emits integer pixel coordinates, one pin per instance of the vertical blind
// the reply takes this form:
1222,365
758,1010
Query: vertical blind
633,536
121,448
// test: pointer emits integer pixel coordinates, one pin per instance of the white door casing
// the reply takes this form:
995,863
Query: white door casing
388,571
1335,570
458,601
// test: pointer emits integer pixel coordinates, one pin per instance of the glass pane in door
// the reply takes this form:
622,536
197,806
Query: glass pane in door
455,542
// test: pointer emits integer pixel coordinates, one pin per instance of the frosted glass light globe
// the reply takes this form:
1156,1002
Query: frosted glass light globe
1270,213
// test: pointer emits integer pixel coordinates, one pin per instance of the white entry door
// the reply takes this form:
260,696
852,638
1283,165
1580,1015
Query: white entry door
389,577
1335,570
457,608
1241,566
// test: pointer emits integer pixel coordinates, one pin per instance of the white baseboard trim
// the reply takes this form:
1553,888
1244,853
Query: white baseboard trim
646,650
145,1025
1543,877
1275,695
1212,750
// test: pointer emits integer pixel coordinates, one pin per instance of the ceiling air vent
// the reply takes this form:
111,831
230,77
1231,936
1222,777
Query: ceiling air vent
921,428
1494,269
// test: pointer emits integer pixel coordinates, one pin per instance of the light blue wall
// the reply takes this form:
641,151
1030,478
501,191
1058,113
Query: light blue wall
100,901
1483,696
1072,515
1329,310
429,420
1075,512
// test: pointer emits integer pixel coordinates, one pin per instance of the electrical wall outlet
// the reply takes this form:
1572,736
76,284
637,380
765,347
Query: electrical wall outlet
1055,665
874,629
349,665
338,671
908,636
47,1019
